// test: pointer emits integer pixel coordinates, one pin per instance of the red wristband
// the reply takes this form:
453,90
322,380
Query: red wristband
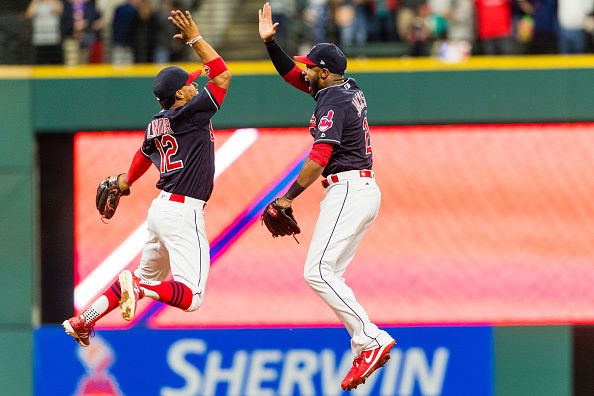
215,67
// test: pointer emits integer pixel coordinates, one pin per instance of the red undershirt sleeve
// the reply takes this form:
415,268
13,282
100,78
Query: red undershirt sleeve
320,153
138,167
295,78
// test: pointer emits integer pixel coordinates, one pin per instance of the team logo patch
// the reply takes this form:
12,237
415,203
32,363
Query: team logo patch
326,121
272,211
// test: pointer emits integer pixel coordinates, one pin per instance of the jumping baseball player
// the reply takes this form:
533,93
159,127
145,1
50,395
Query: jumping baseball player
179,141
342,154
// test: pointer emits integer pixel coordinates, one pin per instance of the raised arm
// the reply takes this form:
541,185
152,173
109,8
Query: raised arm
283,64
213,64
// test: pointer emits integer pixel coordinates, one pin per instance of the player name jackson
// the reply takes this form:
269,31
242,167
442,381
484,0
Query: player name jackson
359,102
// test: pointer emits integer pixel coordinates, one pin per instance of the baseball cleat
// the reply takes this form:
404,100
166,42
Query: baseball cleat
131,293
75,326
365,365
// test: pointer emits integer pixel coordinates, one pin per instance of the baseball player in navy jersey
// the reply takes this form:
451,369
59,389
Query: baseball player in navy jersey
179,141
341,153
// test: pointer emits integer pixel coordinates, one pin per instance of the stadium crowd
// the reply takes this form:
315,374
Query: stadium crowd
136,31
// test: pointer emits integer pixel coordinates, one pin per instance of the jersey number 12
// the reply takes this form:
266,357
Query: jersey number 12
167,146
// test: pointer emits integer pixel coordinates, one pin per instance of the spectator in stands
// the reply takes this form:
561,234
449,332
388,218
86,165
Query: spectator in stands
351,20
419,33
440,10
544,40
461,21
494,26
284,13
167,50
316,17
92,43
384,20
572,22
589,29
81,25
522,24
405,15
144,39
46,35
460,33
124,25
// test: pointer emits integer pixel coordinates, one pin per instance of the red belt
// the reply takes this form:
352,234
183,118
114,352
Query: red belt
181,199
334,178
177,198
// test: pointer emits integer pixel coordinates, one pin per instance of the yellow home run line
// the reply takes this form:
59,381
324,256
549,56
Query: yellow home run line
392,65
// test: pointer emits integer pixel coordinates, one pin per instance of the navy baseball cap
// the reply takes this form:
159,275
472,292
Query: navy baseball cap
170,79
327,56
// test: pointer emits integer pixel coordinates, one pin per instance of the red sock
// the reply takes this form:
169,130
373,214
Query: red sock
171,293
97,310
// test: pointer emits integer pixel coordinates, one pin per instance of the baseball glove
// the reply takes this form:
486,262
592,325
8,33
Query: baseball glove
108,196
279,221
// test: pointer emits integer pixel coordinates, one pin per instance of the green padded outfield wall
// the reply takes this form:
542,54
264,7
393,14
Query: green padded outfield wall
16,237
399,91
485,90
533,361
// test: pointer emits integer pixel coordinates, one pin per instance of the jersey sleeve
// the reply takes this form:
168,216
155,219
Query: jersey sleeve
147,145
329,124
202,106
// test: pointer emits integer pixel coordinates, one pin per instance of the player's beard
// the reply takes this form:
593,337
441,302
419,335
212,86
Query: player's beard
314,86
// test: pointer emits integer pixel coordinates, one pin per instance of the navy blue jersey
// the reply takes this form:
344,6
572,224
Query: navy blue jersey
180,142
340,119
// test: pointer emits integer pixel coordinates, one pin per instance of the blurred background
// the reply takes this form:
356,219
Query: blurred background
76,32
480,263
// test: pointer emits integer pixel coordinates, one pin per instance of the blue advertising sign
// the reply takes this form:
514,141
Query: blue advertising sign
259,362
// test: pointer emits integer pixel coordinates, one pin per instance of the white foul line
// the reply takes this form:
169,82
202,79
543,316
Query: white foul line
119,259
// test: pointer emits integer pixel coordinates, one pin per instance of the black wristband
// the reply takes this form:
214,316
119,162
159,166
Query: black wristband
294,191
270,43
281,61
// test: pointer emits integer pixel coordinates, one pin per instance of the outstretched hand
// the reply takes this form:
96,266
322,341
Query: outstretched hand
186,25
266,28
279,220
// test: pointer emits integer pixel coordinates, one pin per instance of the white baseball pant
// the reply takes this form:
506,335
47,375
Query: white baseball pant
350,205
176,244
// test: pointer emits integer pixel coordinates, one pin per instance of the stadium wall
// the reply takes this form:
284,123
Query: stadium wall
497,92
528,360
17,241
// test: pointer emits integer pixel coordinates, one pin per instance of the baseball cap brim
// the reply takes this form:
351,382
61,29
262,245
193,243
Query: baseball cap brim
194,75
304,59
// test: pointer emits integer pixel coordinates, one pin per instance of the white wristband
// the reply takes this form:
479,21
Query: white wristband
194,40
